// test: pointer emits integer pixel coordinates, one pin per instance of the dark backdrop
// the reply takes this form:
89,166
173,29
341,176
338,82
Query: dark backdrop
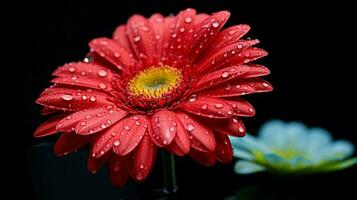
311,55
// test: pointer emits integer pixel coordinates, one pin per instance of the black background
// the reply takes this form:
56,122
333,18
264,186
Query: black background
311,49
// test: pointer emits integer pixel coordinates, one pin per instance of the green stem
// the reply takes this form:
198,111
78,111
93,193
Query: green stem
170,186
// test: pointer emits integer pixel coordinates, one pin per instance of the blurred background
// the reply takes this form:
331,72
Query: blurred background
311,47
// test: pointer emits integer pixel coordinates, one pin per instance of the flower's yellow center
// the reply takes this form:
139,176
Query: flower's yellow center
155,81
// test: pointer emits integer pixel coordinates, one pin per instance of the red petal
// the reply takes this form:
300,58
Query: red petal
89,71
128,133
142,39
215,58
246,56
157,22
72,99
199,18
204,158
181,36
227,74
201,138
228,36
224,151
48,111
82,82
70,122
118,171
207,107
181,143
110,137
121,36
113,52
49,126
69,142
233,126
94,164
238,88
103,119
164,125
205,33
141,161
241,107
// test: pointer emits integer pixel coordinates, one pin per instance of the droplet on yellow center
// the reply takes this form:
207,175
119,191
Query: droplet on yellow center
154,82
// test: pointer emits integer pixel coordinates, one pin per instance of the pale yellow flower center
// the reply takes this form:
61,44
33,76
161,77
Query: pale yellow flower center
154,82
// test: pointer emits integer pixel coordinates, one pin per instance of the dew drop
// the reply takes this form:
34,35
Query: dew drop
67,97
141,166
228,87
182,30
117,55
92,98
239,46
188,19
103,126
127,128
241,129
231,32
219,105
83,123
265,84
102,86
246,60
137,123
215,24
193,98
172,129
225,74
72,69
189,127
116,143
139,176
251,110
137,39
102,73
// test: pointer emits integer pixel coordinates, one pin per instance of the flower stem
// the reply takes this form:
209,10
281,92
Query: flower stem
170,186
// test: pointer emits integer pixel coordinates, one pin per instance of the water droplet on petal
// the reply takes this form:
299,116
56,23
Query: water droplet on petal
241,129
172,129
67,97
251,109
83,123
102,86
116,143
137,39
232,32
193,98
265,84
102,73
204,106
103,126
182,29
228,87
92,98
215,24
219,105
141,166
189,127
72,69
127,128
225,74
239,46
188,19
137,123
117,55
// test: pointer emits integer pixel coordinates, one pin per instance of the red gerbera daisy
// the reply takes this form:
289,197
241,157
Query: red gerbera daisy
164,82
